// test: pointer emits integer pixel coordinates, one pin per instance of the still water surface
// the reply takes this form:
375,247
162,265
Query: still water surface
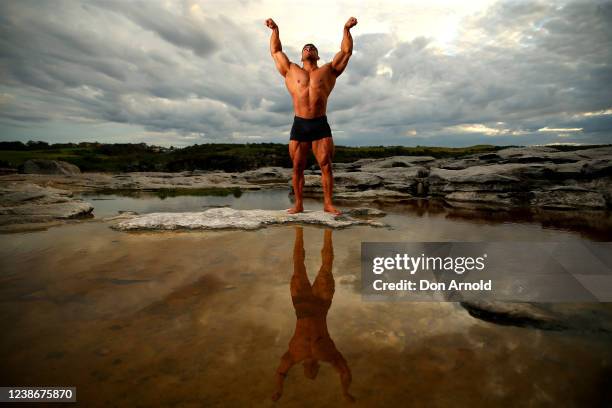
212,318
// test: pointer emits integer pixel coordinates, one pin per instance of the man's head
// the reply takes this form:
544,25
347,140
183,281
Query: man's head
310,52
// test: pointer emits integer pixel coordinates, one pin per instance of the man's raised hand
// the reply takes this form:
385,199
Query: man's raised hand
352,22
271,24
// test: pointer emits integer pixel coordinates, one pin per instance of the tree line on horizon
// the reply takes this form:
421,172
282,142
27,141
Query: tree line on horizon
122,157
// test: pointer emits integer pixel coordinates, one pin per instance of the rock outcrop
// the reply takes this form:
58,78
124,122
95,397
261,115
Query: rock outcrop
31,203
584,317
40,166
265,175
229,218
530,177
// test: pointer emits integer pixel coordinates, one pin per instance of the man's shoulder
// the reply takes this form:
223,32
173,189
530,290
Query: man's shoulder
293,67
323,68
327,69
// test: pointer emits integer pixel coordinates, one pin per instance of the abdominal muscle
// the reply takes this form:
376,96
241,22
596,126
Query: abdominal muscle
309,107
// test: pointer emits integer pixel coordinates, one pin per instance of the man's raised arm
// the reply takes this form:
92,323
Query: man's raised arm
276,49
341,59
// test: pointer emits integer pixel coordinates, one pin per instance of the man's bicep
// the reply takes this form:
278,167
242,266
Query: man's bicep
282,62
340,62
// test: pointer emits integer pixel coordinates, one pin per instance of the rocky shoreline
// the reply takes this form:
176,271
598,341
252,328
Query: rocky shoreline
536,178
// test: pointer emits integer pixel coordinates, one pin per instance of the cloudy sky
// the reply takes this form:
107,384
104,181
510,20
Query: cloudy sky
439,73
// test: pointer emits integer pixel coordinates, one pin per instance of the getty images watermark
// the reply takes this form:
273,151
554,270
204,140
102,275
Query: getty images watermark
572,271
412,264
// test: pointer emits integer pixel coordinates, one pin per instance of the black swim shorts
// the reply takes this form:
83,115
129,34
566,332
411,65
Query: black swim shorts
307,130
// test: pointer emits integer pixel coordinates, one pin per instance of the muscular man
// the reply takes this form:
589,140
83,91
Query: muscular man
310,86
311,341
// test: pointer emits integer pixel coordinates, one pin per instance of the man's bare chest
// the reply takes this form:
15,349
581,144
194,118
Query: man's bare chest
301,81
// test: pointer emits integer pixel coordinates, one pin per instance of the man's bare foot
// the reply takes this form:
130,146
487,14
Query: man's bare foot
348,398
331,209
296,209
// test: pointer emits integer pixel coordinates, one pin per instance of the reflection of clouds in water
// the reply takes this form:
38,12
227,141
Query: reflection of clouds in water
390,338
109,205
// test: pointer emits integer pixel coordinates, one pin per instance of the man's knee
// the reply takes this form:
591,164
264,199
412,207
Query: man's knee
325,165
299,166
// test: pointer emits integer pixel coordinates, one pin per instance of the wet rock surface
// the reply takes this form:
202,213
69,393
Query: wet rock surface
229,218
31,203
584,317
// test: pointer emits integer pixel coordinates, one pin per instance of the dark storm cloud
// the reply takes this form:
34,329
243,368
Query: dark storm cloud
183,34
514,69
130,63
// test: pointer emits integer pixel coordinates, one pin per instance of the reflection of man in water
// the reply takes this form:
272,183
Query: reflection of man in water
311,342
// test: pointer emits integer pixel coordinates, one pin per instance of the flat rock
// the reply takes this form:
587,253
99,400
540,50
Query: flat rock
599,167
583,317
343,181
364,212
138,181
229,218
534,154
513,314
268,175
495,173
395,174
22,203
396,161
372,195
484,198
459,164
41,166
346,166
568,197
357,181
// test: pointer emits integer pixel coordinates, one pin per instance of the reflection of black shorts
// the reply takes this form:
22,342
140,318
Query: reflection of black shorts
307,130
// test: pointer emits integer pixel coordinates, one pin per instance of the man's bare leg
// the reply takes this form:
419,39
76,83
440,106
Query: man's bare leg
300,284
299,153
323,150
323,286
